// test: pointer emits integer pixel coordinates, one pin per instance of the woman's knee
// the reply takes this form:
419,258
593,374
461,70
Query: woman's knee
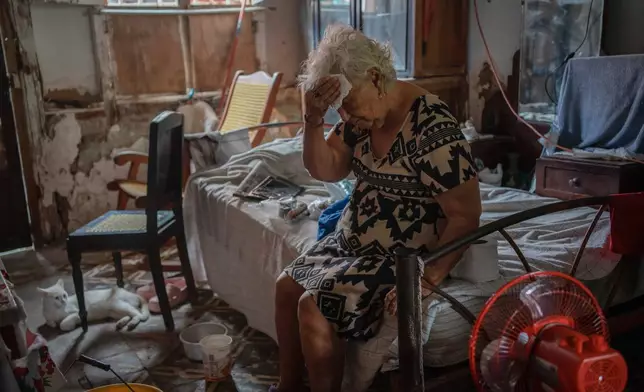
311,318
316,331
287,291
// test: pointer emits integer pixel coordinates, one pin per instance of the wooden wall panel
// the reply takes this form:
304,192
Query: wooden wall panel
212,37
147,53
441,28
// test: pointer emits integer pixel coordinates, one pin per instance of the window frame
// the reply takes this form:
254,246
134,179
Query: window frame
356,20
139,4
199,4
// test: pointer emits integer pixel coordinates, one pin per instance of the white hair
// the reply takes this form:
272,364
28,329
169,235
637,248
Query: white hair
344,50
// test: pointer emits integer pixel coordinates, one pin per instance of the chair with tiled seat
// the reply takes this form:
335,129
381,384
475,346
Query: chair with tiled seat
249,103
143,230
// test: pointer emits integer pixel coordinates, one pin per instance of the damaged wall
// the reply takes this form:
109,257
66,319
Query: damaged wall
76,164
65,53
73,153
501,22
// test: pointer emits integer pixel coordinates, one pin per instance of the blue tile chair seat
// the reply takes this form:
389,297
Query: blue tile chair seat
122,222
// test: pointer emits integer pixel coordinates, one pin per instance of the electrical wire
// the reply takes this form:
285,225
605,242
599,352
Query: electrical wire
568,57
498,82
505,96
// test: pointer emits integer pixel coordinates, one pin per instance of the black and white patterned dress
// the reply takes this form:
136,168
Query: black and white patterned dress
350,272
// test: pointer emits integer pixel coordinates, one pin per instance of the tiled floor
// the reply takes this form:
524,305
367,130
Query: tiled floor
147,354
150,355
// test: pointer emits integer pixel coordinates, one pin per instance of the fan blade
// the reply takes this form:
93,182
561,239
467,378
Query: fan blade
536,296
500,372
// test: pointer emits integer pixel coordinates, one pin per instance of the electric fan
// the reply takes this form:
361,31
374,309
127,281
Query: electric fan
544,332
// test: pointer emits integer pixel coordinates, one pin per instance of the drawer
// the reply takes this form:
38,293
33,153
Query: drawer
572,178
575,182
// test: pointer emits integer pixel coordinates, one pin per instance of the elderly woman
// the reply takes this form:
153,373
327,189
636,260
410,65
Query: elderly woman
416,187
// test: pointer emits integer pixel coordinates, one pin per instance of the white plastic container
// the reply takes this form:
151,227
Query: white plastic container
480,262
217,358
191,336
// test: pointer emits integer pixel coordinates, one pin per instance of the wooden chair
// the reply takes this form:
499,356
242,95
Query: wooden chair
250,102
143,230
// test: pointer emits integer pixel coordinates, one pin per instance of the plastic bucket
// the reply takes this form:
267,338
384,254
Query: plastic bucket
192,335
217,356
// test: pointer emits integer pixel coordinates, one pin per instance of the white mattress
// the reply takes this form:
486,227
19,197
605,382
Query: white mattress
240,248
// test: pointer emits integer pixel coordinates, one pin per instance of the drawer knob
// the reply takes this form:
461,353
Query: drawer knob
574,182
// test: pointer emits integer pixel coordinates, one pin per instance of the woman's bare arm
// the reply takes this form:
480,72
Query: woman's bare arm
326,160
462,208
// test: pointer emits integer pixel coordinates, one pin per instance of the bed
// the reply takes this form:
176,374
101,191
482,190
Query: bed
229,238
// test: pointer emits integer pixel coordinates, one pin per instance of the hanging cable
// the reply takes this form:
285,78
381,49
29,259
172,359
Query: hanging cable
568,58
505,96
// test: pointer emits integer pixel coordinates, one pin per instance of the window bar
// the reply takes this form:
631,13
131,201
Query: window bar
219,2
175,11
317,34
142,3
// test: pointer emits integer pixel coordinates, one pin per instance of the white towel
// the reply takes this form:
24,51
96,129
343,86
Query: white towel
345,87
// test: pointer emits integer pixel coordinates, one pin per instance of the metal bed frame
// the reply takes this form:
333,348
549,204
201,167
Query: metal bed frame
409,267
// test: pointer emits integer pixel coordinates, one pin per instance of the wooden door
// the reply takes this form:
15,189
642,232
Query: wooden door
440,46
15,232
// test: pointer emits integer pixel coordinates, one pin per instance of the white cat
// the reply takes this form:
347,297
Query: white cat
61,310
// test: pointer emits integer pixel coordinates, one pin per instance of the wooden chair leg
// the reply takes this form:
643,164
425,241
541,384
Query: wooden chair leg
154,259
77,275
186,269
118,268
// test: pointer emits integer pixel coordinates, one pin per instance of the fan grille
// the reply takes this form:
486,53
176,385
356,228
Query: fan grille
509,312
603,376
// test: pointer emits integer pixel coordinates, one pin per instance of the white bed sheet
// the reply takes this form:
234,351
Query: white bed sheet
240,248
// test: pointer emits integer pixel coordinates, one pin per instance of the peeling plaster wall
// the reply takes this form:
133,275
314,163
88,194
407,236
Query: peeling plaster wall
76,164
65,53
501,22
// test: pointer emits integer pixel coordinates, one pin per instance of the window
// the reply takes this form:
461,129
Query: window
334,11
174,3
231,3
384,20
142,3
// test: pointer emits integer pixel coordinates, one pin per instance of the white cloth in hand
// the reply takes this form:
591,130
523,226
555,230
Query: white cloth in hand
345,87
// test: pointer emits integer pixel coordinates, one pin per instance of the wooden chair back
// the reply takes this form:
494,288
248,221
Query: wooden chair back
165,169
250,101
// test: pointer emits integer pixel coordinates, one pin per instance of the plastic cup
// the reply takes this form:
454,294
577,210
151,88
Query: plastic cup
217,359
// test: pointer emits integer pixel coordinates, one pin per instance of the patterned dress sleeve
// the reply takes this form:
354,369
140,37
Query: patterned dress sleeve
347,133
443,158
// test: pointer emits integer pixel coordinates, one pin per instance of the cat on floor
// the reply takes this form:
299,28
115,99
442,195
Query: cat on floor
61,310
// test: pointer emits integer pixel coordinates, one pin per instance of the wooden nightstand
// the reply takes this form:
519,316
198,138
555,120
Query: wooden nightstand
569,178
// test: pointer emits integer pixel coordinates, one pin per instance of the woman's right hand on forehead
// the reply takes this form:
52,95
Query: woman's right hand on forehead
318,99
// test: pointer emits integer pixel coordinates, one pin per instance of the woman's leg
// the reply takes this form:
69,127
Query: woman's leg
323,350
287,295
